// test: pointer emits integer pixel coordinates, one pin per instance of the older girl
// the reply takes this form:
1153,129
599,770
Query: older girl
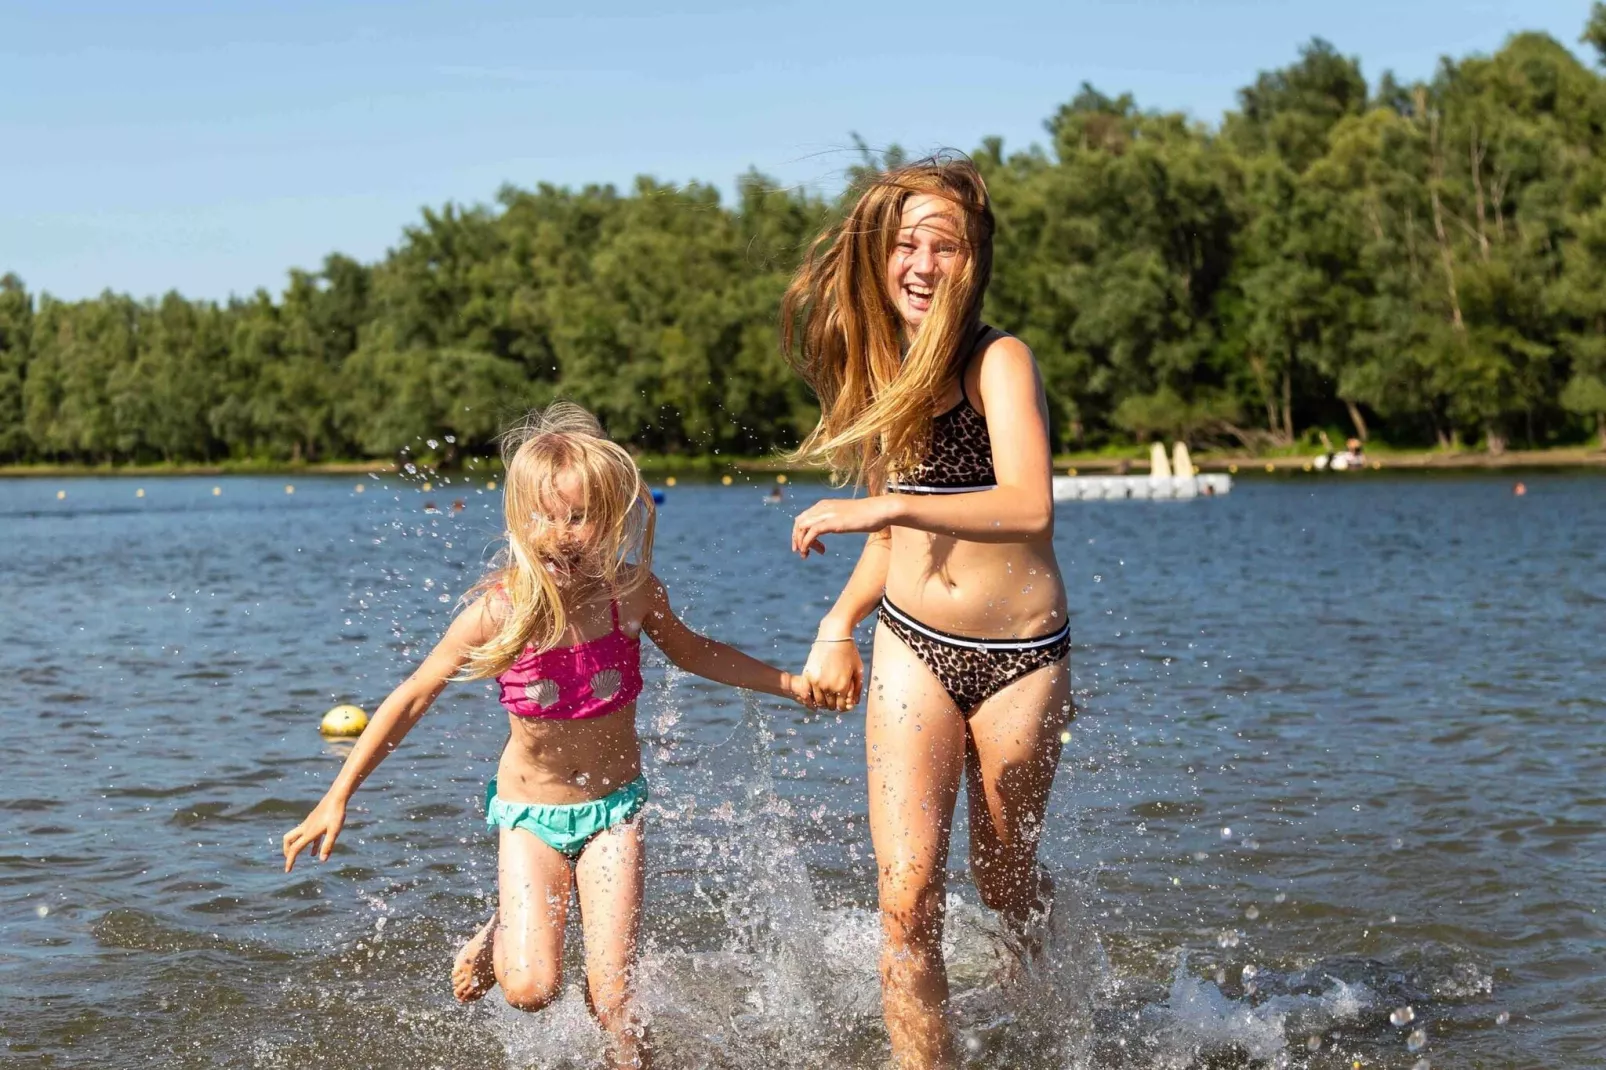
943,420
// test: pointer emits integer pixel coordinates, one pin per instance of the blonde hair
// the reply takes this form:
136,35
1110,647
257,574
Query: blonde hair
540,567
841,332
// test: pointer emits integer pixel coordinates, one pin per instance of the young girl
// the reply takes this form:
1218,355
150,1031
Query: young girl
558,624
944,420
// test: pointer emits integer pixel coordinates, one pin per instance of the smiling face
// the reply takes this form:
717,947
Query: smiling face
928,247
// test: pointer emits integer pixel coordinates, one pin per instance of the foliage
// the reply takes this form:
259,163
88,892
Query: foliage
1422,262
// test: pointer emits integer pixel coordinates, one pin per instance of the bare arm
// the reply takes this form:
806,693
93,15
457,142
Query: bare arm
1020,507
395,717
709,658
835,666
863,589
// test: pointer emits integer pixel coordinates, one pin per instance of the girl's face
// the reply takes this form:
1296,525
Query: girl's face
928,246
575,532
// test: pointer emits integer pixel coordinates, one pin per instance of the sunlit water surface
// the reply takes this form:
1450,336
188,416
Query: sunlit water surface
1337,790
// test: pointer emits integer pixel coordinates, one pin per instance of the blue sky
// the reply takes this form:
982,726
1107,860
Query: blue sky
210,147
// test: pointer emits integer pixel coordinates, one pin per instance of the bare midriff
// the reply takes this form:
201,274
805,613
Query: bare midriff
563,762
1003,590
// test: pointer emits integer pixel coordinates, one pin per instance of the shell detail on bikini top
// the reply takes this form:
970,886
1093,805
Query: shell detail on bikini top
571,683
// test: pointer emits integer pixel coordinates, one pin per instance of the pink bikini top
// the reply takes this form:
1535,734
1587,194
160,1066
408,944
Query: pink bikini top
568,683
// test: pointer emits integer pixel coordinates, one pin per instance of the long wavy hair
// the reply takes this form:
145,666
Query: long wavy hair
542,567
841,332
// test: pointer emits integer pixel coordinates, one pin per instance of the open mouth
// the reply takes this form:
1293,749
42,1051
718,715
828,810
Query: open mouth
918,297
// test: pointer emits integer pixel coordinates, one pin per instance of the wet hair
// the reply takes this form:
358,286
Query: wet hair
842,333
541,565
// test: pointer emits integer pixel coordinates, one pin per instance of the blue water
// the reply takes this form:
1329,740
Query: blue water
1348,734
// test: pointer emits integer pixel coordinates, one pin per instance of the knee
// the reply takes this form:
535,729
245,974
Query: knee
1011,887
911,909
529,991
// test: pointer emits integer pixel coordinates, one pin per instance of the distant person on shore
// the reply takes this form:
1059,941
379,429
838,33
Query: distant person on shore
558,623
944,421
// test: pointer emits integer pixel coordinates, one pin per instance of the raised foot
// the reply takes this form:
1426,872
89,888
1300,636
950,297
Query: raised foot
473,974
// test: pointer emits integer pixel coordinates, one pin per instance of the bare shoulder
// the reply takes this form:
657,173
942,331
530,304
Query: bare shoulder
644,595
1005,370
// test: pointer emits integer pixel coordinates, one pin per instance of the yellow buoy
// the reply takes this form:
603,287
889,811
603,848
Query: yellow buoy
490,484
670,481
289,489
139,493
1232,468
344,721
360,488
726,480
60,494
216,491
426,486
1307,468
1070,471
1270,467
781,478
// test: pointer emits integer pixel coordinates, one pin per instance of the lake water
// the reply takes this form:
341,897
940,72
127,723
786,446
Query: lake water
1337,791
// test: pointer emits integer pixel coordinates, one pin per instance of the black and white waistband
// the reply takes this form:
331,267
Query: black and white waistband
917,488
970,642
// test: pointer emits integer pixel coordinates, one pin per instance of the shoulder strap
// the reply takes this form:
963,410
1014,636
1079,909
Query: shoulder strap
983,334
613,610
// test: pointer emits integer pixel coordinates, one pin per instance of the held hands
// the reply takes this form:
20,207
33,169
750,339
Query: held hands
837,672
836,515
324,823
801,689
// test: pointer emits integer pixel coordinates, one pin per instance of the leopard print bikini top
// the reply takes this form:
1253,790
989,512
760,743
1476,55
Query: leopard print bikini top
960,457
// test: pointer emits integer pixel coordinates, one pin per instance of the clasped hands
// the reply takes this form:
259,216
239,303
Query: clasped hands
835,670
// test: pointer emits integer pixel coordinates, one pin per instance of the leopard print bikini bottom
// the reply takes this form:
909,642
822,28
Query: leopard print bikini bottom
969,669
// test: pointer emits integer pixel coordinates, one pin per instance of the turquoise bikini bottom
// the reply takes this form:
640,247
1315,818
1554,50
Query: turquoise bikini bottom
567,829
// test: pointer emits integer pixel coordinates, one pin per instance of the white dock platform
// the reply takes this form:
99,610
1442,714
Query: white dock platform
1123,488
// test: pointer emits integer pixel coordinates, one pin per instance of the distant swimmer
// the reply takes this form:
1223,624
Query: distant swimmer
458,505
1520,489
776,494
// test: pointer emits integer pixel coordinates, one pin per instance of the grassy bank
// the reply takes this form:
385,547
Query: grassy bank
660,466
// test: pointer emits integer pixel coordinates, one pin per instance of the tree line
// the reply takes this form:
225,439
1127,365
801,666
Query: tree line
1423,263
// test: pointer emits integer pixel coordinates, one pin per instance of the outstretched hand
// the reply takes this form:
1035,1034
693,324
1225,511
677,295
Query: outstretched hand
835,515
318,832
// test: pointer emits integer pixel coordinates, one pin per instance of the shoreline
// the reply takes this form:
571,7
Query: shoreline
1560,458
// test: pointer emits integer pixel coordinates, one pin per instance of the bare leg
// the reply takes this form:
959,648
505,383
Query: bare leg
1013,752
915,742
474,971
533,889
609,879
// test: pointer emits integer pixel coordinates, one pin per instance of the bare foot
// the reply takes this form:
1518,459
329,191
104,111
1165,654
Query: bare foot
473,974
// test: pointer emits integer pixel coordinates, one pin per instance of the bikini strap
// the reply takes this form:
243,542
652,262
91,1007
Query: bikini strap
613,610
983,333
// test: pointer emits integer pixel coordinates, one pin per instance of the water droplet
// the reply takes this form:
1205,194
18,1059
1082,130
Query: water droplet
1313,1043
432,444
1417,1040
1402,1016
1251,972
1065,736
42,910
1226,832
1280,897
1252,913
1421,1064
1502,1018
1200,856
